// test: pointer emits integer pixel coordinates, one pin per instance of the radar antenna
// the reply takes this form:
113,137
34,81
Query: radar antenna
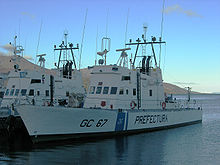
123,59
41,60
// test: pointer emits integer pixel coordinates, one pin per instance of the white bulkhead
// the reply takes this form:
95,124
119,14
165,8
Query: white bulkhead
33,87
116,87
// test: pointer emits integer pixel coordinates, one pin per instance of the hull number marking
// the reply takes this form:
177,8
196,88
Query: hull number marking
91,122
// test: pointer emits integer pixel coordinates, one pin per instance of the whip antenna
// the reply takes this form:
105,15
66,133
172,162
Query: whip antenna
126,28
161,28
96,45
84,27
106,32
38,42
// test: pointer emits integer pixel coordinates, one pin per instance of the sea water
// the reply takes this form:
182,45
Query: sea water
195,144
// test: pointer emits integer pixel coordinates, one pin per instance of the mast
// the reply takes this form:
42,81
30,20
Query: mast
17,49
144,38
104,50
67,63
139,42
188,92
64,47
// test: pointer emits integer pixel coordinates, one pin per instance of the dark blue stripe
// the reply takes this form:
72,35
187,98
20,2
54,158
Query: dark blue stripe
126,127
119,126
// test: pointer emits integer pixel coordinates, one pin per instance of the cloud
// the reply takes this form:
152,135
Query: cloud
28,14
179,9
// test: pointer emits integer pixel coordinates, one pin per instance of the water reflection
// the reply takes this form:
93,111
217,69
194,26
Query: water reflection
196,144
163,147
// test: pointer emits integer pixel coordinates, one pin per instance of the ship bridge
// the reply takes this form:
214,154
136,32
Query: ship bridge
117,87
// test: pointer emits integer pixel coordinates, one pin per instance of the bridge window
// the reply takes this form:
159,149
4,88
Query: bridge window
105,90
98,90
150,92
31,92
35,81
125,78
113,90
114,69
1,94
23,92
121,91
134,91
92,90
17,92
7,92
12,92
47,92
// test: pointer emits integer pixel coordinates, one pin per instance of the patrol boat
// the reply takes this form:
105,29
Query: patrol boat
121,99
43,87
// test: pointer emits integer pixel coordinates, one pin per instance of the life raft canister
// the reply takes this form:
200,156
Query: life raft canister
163,105
132,104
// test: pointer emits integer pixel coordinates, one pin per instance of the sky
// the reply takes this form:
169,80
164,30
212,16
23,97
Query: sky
191,29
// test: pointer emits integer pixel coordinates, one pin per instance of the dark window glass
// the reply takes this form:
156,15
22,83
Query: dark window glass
115,69
92,90
121,91
17,92
98,90
31,92
113,90
1,94
23,92
12,92
7,92
150,92
125,78
38,93
35,81
105,90
127,91
67,93
47,92
134,92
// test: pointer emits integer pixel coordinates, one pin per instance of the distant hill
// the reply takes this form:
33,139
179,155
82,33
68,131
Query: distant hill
174,89
7,63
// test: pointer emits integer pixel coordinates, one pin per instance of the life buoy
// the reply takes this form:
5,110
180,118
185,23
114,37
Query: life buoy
132,104
163,105
103,103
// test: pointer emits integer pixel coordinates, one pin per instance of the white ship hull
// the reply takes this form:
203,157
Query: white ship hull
59,123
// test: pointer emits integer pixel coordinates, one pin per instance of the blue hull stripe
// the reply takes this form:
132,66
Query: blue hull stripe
119,126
